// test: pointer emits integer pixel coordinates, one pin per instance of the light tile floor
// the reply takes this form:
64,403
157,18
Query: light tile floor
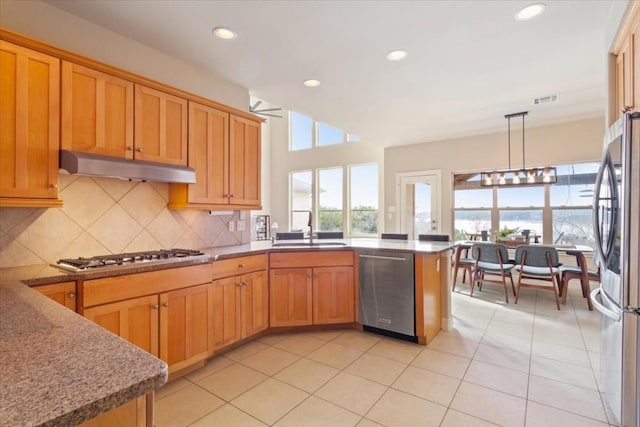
502,364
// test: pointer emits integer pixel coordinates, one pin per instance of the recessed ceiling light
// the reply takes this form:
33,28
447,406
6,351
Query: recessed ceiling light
396,55
224,33
312,83
530,12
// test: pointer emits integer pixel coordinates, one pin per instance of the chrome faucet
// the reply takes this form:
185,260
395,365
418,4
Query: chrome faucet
310,224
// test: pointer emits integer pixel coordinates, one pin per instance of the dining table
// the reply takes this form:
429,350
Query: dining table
577,251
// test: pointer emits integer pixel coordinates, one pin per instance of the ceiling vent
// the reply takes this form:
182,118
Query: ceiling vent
545,99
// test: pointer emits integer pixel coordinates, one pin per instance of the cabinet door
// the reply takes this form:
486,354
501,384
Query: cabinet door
135,320
244,162
208,154
29,127
97,112
186,326
160,127
290,297
333,295
63,293
254,293
226,311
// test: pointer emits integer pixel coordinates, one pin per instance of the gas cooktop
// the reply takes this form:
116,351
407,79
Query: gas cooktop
81,264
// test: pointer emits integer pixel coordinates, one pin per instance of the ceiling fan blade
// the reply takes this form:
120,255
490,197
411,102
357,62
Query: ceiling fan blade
266,109
270,115
254,106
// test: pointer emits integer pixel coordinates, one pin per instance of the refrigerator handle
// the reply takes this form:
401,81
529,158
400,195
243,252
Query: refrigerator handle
601,308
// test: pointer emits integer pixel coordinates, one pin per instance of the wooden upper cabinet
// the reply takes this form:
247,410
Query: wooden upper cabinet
97,112
160,126
244,162
29,127
224,149
208,154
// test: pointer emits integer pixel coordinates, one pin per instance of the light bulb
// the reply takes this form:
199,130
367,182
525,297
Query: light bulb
488,180
502,180
516,178
531,177
545,176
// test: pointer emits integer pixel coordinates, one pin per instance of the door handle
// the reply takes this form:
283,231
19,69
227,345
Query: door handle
601,308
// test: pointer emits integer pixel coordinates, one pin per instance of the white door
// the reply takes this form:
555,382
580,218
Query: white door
419,208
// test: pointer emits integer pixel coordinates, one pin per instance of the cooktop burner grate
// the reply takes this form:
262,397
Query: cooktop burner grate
126,258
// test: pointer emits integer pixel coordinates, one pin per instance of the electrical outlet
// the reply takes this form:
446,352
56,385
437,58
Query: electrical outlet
232,226
239,225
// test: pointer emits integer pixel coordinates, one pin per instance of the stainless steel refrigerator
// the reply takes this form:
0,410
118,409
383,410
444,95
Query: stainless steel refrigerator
617,230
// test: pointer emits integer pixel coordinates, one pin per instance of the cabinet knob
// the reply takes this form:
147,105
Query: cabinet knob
139,150
130,147
71,295
155,306
308,276
165,304
241,266
243,283
53,185
232,195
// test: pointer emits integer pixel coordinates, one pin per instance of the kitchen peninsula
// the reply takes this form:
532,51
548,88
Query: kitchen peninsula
53,351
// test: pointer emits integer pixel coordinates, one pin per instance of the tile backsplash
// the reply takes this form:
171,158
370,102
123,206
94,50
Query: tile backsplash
103,216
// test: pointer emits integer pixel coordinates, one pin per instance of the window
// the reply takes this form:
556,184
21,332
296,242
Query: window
330,199
558,213
307,133
325,196
300,187
363,214
301,131
471,222
573,227
329,135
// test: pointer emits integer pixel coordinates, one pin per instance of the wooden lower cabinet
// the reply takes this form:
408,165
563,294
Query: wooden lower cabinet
186,326
290,297
63,293
308,288
135,413
135,320
241,307
333,295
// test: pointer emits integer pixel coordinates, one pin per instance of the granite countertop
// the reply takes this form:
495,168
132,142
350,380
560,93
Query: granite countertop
47,274
58,368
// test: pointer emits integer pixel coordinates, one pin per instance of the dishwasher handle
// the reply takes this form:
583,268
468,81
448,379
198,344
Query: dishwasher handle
391,258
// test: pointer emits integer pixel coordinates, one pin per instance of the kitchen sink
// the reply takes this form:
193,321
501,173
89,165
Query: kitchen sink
309,244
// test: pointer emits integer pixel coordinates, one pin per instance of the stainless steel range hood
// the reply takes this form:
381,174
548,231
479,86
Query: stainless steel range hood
77,163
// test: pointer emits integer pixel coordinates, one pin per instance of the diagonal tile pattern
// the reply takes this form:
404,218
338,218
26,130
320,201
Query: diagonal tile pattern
472,375
101,216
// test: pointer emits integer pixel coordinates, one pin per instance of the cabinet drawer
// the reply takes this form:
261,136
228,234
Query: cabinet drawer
110,289
239,265
311,259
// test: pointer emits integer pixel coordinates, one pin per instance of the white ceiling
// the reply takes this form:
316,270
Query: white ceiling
469,62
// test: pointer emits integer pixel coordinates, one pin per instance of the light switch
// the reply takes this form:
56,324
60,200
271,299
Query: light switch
232,226
239,225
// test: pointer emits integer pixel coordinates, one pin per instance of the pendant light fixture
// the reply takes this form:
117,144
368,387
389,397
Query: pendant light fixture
518,177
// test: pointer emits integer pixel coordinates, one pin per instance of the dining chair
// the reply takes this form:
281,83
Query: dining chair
433,237
580,272
540,263
394,236
463,262
330,235
491,259
290,235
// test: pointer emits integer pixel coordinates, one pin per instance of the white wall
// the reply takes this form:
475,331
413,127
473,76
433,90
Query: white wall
578,141
284,161
54,26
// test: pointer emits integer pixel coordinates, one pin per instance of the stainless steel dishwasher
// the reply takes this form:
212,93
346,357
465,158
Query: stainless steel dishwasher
387,291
